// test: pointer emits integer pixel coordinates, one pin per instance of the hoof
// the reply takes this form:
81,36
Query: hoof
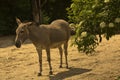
39,74
51,73
60,66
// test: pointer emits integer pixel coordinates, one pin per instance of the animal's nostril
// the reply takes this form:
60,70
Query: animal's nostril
18,44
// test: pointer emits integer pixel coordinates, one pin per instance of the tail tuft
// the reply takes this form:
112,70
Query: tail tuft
72,31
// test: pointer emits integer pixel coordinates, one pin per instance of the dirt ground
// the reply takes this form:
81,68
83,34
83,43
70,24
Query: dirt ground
22,64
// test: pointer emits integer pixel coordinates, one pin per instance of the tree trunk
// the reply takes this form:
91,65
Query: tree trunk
36,10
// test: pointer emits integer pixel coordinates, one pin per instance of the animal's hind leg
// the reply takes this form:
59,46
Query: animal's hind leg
61,53
49,60
40,60
66,53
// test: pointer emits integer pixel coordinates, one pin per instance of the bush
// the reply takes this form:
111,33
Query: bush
95,17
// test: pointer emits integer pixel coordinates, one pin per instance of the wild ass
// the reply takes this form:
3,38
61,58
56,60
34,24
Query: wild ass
45,37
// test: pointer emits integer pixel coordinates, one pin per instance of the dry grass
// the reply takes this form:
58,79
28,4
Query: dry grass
22,64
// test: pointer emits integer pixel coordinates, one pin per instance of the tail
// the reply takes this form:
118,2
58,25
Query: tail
72,31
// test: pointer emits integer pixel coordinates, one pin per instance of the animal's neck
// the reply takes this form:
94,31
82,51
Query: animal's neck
33,29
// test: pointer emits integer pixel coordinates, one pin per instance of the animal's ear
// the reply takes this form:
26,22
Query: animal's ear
18,21
29,23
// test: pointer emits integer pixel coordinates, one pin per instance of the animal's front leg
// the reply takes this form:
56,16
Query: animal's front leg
39,50
49,60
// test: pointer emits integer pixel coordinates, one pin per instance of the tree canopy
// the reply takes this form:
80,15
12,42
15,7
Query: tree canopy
91,18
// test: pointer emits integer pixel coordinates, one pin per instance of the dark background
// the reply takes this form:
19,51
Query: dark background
10,9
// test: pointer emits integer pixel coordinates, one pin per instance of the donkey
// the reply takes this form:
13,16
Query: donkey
45,37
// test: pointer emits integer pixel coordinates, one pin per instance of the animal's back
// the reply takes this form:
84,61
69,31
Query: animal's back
60,24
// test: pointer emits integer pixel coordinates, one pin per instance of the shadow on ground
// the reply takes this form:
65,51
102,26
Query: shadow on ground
71,72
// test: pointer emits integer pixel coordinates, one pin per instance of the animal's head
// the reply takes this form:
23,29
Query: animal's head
22,32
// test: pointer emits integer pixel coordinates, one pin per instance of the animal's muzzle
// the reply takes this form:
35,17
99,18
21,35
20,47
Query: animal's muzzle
18,44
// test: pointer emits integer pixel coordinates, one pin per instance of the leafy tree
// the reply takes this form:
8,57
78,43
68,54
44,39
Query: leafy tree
91,18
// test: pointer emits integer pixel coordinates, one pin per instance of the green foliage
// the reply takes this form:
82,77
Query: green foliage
95,17
86,42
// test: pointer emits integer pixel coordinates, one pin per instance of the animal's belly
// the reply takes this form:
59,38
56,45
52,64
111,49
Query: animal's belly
55,45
